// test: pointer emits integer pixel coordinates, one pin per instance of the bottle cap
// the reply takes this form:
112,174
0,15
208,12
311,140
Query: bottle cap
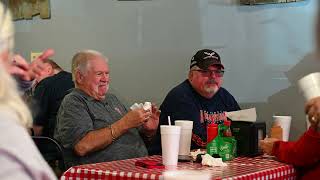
227,123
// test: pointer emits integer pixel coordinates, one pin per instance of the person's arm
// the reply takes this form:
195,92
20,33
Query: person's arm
75,127
303,152
99,139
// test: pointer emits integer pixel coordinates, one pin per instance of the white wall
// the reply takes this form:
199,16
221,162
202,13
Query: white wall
150,44
258,43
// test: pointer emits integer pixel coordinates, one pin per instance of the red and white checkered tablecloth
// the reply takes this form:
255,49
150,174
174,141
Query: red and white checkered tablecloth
241,168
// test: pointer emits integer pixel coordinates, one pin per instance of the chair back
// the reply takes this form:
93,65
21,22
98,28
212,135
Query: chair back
50,149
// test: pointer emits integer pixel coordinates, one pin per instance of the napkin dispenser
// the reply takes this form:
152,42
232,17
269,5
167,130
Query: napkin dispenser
248,135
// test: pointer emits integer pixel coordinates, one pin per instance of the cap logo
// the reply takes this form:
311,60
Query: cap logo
210,55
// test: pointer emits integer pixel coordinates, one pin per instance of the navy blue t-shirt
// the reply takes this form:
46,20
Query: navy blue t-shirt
184,103
48,95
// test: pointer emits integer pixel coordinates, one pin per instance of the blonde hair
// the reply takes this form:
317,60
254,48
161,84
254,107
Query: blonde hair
6,29
10,100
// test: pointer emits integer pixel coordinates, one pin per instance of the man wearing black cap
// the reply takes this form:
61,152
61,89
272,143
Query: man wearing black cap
198,98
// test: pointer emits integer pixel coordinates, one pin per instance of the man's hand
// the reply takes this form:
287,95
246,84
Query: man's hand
136,118
153,122
312,108
29,72
267,145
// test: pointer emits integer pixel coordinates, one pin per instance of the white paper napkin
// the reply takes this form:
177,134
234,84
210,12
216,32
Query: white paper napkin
208,160
194,154
145,106
248,115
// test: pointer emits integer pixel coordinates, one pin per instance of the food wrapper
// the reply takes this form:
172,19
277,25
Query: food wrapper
208,160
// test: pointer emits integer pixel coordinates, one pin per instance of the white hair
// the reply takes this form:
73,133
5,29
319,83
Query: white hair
80,61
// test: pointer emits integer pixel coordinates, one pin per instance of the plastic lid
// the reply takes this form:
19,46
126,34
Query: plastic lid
166,129
185,124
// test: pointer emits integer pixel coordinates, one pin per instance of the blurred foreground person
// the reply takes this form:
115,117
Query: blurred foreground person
19,157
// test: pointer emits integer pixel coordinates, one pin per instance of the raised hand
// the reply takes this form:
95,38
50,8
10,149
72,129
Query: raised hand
152,123
312,108
19,68
267,145
37,66
29,72
136,118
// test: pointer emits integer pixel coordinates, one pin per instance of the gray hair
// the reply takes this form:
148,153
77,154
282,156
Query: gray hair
195,67
80,62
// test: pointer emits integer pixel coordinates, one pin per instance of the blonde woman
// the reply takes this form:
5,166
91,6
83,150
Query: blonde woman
19,157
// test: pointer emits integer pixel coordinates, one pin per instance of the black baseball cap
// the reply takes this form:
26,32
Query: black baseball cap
205,58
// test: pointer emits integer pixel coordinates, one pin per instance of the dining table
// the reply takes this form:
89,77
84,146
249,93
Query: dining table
240,168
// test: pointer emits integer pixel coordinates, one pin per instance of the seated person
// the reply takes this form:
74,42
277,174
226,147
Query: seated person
197,98
93,125
52,86
304,153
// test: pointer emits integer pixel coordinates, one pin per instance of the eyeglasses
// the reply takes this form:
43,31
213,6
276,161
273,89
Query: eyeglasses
218,73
